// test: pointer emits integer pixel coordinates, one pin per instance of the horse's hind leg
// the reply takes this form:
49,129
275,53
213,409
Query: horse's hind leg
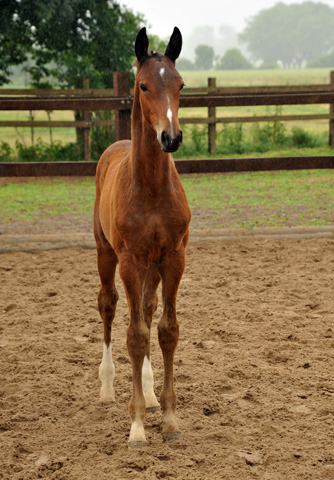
150,303
107,300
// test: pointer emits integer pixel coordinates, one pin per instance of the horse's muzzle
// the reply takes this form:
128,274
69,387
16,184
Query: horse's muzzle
170,144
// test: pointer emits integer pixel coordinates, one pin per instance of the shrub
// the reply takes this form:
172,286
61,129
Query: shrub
231,139
233,59
42,152
301,139
6,152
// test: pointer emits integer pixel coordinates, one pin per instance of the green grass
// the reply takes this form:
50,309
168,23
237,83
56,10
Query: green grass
262,199
30,201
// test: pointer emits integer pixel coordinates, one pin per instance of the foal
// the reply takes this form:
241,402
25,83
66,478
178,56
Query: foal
141,221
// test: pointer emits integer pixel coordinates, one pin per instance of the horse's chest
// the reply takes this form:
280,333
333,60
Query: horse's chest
150,233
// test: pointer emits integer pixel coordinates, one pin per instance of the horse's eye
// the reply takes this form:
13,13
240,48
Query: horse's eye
182,86
143,87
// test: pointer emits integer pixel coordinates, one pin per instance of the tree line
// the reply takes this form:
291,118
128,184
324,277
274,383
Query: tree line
292,35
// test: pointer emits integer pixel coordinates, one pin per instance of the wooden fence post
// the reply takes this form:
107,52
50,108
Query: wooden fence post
86,152
212,125
122,117
331,113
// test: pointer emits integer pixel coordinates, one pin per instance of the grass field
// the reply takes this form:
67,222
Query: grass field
262,199
195,79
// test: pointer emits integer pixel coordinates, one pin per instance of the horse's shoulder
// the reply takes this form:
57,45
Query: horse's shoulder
112,157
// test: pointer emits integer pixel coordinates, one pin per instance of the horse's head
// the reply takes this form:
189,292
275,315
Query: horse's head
158,85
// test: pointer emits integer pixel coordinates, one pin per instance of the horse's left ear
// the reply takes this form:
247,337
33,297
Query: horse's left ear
141,45
174,46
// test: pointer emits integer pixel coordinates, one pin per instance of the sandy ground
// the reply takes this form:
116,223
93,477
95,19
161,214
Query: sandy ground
254,367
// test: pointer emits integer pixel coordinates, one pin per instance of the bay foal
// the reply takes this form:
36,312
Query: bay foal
141,221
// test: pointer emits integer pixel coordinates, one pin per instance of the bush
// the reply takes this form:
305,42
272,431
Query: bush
231,139
40,152
301,139
233,60
6,152
235,139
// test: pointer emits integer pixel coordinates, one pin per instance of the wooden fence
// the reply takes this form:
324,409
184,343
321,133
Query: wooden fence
120,100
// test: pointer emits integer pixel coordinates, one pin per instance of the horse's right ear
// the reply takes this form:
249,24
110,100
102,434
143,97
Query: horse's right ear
141,45
175,45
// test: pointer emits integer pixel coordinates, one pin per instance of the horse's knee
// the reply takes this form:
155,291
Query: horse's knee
168,333
107,300
137,340
150,305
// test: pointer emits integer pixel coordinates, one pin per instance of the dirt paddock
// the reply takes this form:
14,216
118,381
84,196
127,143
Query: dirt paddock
253,369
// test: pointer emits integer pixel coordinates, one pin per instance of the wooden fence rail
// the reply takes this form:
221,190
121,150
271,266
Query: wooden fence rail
120,100
212,165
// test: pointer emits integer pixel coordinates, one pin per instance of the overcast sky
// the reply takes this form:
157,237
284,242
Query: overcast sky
163,15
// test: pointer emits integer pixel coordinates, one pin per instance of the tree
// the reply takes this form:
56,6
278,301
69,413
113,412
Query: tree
291,34
325,61
68,41
14,39
233,60
185,64
204,57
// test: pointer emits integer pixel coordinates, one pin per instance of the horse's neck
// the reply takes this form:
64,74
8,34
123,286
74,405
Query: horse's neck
150,166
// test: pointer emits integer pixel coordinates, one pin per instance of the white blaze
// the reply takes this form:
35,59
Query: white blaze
170,116
162,72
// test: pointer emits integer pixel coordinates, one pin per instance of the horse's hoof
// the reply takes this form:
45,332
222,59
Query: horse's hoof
154,409
107,399
107,403
107,395
137,444
171,436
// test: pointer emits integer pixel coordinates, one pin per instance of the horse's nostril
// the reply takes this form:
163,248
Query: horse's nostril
164,137
171,144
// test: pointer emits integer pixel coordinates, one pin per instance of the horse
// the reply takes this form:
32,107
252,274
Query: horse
141,223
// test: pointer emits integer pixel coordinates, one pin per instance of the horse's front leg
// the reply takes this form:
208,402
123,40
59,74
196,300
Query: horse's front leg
150,303
168,331
133,276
